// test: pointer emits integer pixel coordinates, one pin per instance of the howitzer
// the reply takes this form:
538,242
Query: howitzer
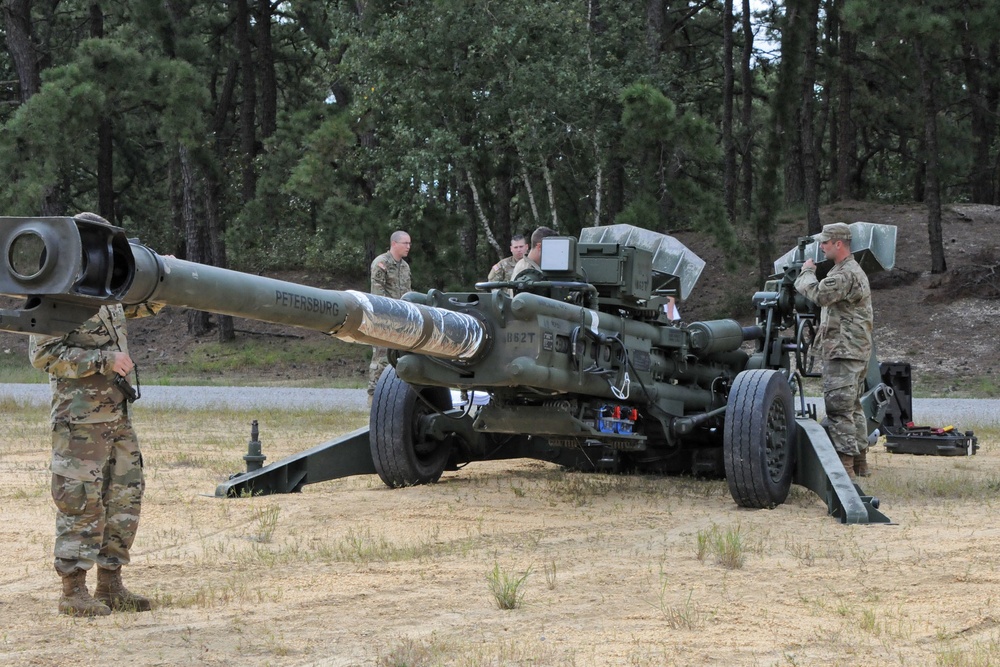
581,367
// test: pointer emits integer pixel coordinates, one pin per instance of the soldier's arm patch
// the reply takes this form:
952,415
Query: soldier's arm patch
837,283
380,279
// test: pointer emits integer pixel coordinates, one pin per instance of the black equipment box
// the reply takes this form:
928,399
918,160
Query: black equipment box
902,437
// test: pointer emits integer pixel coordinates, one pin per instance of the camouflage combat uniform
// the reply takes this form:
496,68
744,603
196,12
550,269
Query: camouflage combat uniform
844,339
97,478
503,270
526,264
389,278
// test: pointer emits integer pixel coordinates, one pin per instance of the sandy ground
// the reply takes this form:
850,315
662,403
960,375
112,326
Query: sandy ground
617,570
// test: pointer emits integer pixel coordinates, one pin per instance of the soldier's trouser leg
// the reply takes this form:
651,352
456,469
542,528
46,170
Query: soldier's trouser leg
861,431
97,487
380,359
121,495
842,380
78,452
860,421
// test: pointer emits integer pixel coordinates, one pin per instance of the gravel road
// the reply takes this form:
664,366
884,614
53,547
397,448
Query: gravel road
234,398
964,413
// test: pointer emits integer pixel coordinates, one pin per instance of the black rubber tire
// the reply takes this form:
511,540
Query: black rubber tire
759,439
402,456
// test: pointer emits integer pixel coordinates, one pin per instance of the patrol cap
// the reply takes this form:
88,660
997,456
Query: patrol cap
836,231
87,216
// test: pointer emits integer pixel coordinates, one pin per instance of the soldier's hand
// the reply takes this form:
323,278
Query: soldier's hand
120,363
809,264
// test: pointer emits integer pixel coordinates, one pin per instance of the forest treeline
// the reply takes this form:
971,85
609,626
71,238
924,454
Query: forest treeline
298,134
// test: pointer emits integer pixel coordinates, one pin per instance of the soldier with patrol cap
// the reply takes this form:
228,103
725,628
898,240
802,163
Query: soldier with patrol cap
97,478
844,340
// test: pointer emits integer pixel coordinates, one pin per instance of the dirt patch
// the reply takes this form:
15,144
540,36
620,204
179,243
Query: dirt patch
619,570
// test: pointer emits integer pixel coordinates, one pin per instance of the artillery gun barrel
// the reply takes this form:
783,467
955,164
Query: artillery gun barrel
65,264
352,316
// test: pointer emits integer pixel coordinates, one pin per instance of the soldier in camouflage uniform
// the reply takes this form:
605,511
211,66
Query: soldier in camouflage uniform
531,262
97,479
390,277
844,339
504,269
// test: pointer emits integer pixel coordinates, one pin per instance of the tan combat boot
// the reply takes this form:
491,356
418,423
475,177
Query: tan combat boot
848,462
112,592
76,600
861,464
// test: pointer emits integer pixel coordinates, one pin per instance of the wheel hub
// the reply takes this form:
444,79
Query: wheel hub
777,435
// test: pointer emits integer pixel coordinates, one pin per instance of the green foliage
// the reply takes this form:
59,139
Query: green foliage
561,113
674,158
893,109
727,545
506,587
148,100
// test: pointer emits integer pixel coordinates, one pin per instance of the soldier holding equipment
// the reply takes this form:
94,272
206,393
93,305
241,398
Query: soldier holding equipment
844,341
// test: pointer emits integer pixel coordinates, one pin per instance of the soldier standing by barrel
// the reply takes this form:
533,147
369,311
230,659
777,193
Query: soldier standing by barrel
504,269
390,276
844,339
97,479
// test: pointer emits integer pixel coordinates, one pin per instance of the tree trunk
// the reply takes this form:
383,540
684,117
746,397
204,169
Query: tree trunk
194,235
27,63
481,216
810,171
268,79
248,131
847,137
616,185
547,175
728,143
17,23
598,188
105,170
746,117
933,190
217,245
213,188
794,186
655,19
469,234
505,193
526,182
105,139
982,121
784,98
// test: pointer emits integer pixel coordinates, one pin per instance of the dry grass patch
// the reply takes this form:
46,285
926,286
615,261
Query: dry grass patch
349,572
